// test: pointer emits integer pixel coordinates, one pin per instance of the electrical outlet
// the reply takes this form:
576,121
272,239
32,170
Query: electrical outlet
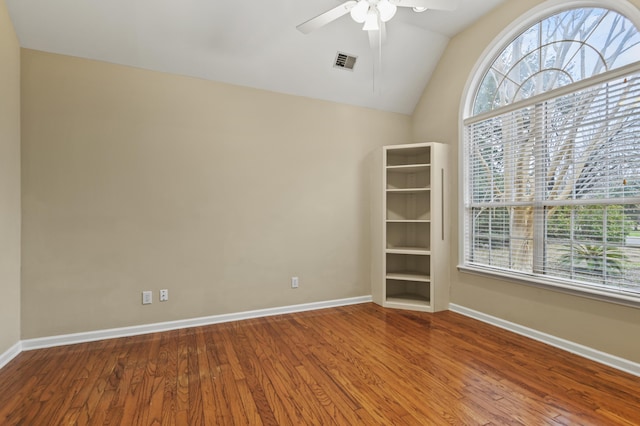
164,295
147,297
294,282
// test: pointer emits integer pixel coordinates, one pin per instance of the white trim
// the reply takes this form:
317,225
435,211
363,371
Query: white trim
91,336
575,348
10,354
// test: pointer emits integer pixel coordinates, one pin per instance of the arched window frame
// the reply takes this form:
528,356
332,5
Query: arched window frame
547,9
525,21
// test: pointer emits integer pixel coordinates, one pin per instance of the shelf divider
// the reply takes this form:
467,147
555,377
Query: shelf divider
408,276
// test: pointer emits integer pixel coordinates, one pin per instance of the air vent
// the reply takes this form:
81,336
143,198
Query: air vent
345,61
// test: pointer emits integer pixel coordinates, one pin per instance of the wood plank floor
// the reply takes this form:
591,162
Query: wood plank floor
354,365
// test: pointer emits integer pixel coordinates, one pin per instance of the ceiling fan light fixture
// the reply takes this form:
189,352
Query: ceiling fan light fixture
359,11
371,23
386,9
419,9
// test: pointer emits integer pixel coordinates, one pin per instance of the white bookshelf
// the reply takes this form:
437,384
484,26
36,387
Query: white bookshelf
410,257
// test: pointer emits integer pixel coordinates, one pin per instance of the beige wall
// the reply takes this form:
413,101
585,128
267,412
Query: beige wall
135,180
604,326
9,183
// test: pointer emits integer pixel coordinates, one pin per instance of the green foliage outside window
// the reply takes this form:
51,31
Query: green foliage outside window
588,223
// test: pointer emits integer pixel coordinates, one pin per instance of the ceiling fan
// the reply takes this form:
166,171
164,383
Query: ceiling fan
373,14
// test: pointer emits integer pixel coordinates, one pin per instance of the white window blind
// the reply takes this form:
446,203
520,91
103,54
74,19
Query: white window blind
553,187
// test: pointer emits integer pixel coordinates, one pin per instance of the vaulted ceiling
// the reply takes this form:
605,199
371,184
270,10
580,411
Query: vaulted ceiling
251,43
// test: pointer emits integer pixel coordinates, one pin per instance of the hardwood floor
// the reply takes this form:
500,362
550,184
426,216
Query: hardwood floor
358,364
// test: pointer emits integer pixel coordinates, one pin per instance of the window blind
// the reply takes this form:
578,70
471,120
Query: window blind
553,187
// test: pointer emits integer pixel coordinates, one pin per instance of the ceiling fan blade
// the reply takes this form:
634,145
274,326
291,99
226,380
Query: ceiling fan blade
326,17
428,4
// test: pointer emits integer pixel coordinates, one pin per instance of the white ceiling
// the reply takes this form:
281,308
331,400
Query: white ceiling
250,43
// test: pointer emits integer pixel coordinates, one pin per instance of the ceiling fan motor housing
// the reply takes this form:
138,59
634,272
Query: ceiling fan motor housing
369,11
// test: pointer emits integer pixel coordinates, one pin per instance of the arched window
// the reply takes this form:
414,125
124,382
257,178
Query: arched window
552,156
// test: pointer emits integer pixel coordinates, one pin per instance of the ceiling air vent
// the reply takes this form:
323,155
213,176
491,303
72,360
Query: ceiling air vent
344,61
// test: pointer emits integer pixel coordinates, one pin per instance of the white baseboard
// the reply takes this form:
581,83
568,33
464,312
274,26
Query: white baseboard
10,354
68,339
91,336
584,351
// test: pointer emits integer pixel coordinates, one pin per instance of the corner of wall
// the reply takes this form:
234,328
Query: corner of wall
10,191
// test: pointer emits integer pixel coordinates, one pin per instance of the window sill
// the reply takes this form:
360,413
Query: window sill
555,285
